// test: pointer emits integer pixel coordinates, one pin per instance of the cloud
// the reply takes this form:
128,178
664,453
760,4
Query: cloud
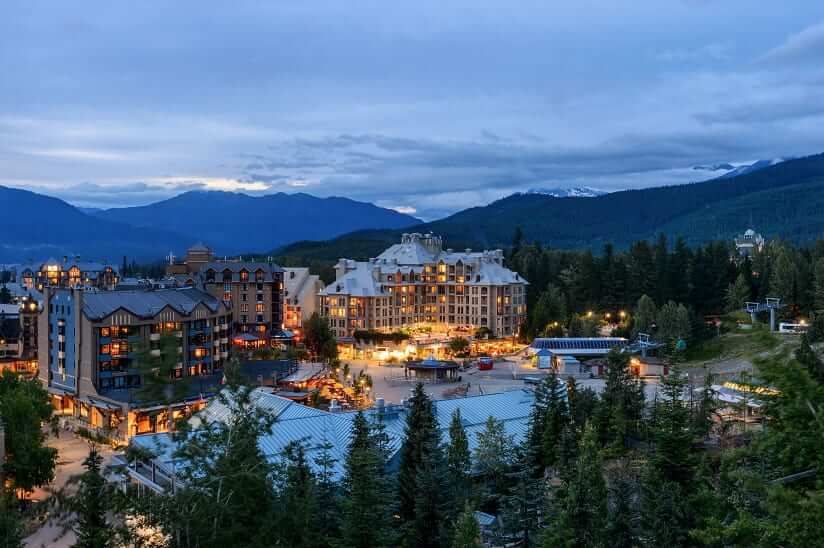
804,46
709,52
74,154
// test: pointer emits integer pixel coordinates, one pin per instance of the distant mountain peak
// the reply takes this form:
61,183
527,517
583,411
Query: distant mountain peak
728,170
568,192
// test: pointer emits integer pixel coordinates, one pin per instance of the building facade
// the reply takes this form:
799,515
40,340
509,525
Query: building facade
70,272
417,283
89,341
300,297
748,243
18,336
254,290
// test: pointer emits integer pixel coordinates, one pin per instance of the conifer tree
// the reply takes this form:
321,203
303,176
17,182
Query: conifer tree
493,459
621,511
427,529
328,494
818,285
581,520
807,357
556,418
525,503
737,294
621,403
458,459
91,526
467,533
298,505
421,439
365,517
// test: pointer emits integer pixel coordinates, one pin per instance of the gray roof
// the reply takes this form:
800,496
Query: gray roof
297,422
269,269
146,304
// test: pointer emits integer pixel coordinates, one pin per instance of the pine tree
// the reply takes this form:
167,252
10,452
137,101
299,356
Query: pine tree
427,529
737,294
328,494
670,476
524,506
818,285
91,526
622,515
621,403
582,517
365,501
421,436
556,418
807,357
298,505
467,533
493,459
458,459
645,314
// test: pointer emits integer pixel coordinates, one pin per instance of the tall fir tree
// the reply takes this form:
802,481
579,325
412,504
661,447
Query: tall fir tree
297,501
621,404
458,460
365,517
581,520
818,285
467,533
420,432
91,527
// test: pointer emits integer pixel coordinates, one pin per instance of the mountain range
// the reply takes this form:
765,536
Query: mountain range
40,226
785,199
778,197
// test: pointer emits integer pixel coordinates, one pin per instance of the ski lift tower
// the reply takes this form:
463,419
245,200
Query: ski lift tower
772,304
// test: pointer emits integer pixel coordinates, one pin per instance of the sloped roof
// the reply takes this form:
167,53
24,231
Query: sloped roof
358,282
314,427
408,253
145,303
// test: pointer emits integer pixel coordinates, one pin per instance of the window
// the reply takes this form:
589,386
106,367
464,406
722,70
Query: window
259,307
244,297
260,297
244,276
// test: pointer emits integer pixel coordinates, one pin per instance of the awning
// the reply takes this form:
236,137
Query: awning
246,337
283,334
57,391
100,404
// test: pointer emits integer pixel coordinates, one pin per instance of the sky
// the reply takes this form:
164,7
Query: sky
427,107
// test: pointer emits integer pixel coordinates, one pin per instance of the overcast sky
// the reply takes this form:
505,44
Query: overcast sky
424,106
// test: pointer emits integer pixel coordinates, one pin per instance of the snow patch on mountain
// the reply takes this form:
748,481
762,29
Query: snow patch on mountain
571,192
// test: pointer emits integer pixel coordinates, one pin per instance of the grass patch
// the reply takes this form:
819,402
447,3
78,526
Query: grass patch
739,344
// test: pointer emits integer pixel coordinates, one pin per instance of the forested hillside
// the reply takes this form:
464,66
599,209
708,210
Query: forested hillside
785,200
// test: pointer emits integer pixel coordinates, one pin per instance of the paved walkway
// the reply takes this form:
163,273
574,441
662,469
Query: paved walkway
72,451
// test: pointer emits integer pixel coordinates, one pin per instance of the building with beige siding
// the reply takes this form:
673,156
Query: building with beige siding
417,283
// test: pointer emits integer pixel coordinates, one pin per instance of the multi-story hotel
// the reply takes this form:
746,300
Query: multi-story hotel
300,297
88,341
18,336
416,283
70,272
253,290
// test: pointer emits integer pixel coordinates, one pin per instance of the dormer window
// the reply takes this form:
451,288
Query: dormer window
210,275
244,275
258,275
227,275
